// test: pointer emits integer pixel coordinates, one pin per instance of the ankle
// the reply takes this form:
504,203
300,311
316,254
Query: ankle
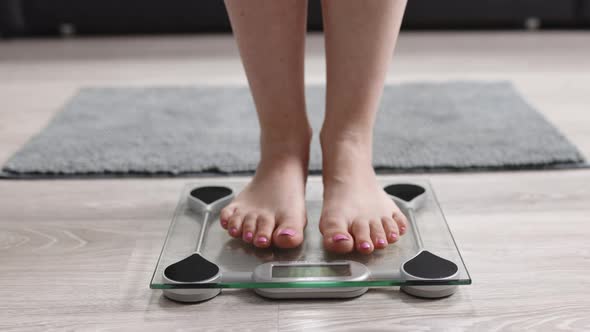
337,144
362,138
276,148
346,156
293,139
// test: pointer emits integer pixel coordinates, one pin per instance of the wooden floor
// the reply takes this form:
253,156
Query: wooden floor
78,254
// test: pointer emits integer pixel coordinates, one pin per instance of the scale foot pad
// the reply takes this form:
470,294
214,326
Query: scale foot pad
426,266
191,295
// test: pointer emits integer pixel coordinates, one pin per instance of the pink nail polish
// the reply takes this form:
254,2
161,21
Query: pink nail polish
262,239
224,223
393,236
365,245
339,237
288,232
249,235
233,230
381,241
403,228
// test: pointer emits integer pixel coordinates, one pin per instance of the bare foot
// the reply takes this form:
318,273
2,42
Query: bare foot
271,209
357,214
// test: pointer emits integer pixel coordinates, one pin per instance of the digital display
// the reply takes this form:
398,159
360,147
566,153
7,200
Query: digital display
310,271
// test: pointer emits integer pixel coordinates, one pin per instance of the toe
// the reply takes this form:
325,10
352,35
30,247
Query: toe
234,225
225,214
401,221
264,227
377,234
288,233
390,228
249,227
336,235
362,236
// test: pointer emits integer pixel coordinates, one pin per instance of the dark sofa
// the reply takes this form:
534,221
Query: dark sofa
52,17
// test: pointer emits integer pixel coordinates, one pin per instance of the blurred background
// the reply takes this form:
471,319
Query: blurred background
65,17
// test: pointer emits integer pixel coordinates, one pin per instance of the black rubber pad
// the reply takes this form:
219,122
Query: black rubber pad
406,192
210,194
194,268
430,266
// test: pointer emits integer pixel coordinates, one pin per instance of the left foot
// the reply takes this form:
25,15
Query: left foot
271,209
357,214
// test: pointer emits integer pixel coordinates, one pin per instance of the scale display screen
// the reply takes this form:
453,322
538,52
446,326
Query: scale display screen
309,271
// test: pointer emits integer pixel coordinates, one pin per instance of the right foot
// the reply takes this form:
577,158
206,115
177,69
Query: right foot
271,208
356,214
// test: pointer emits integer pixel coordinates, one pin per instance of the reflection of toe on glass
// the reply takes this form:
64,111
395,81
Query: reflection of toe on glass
410,197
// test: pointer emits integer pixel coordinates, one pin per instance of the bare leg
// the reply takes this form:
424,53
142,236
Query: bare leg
360,38
271,38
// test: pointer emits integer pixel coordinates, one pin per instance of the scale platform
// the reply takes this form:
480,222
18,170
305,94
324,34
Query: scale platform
196,263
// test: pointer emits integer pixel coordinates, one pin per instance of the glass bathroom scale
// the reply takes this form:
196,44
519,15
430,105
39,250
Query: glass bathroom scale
200,258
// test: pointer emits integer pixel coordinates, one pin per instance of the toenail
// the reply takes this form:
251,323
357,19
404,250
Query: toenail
340,237
233,230
288,232
262,239
393,236
249,235
224,222
403,228
381,241
365,245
